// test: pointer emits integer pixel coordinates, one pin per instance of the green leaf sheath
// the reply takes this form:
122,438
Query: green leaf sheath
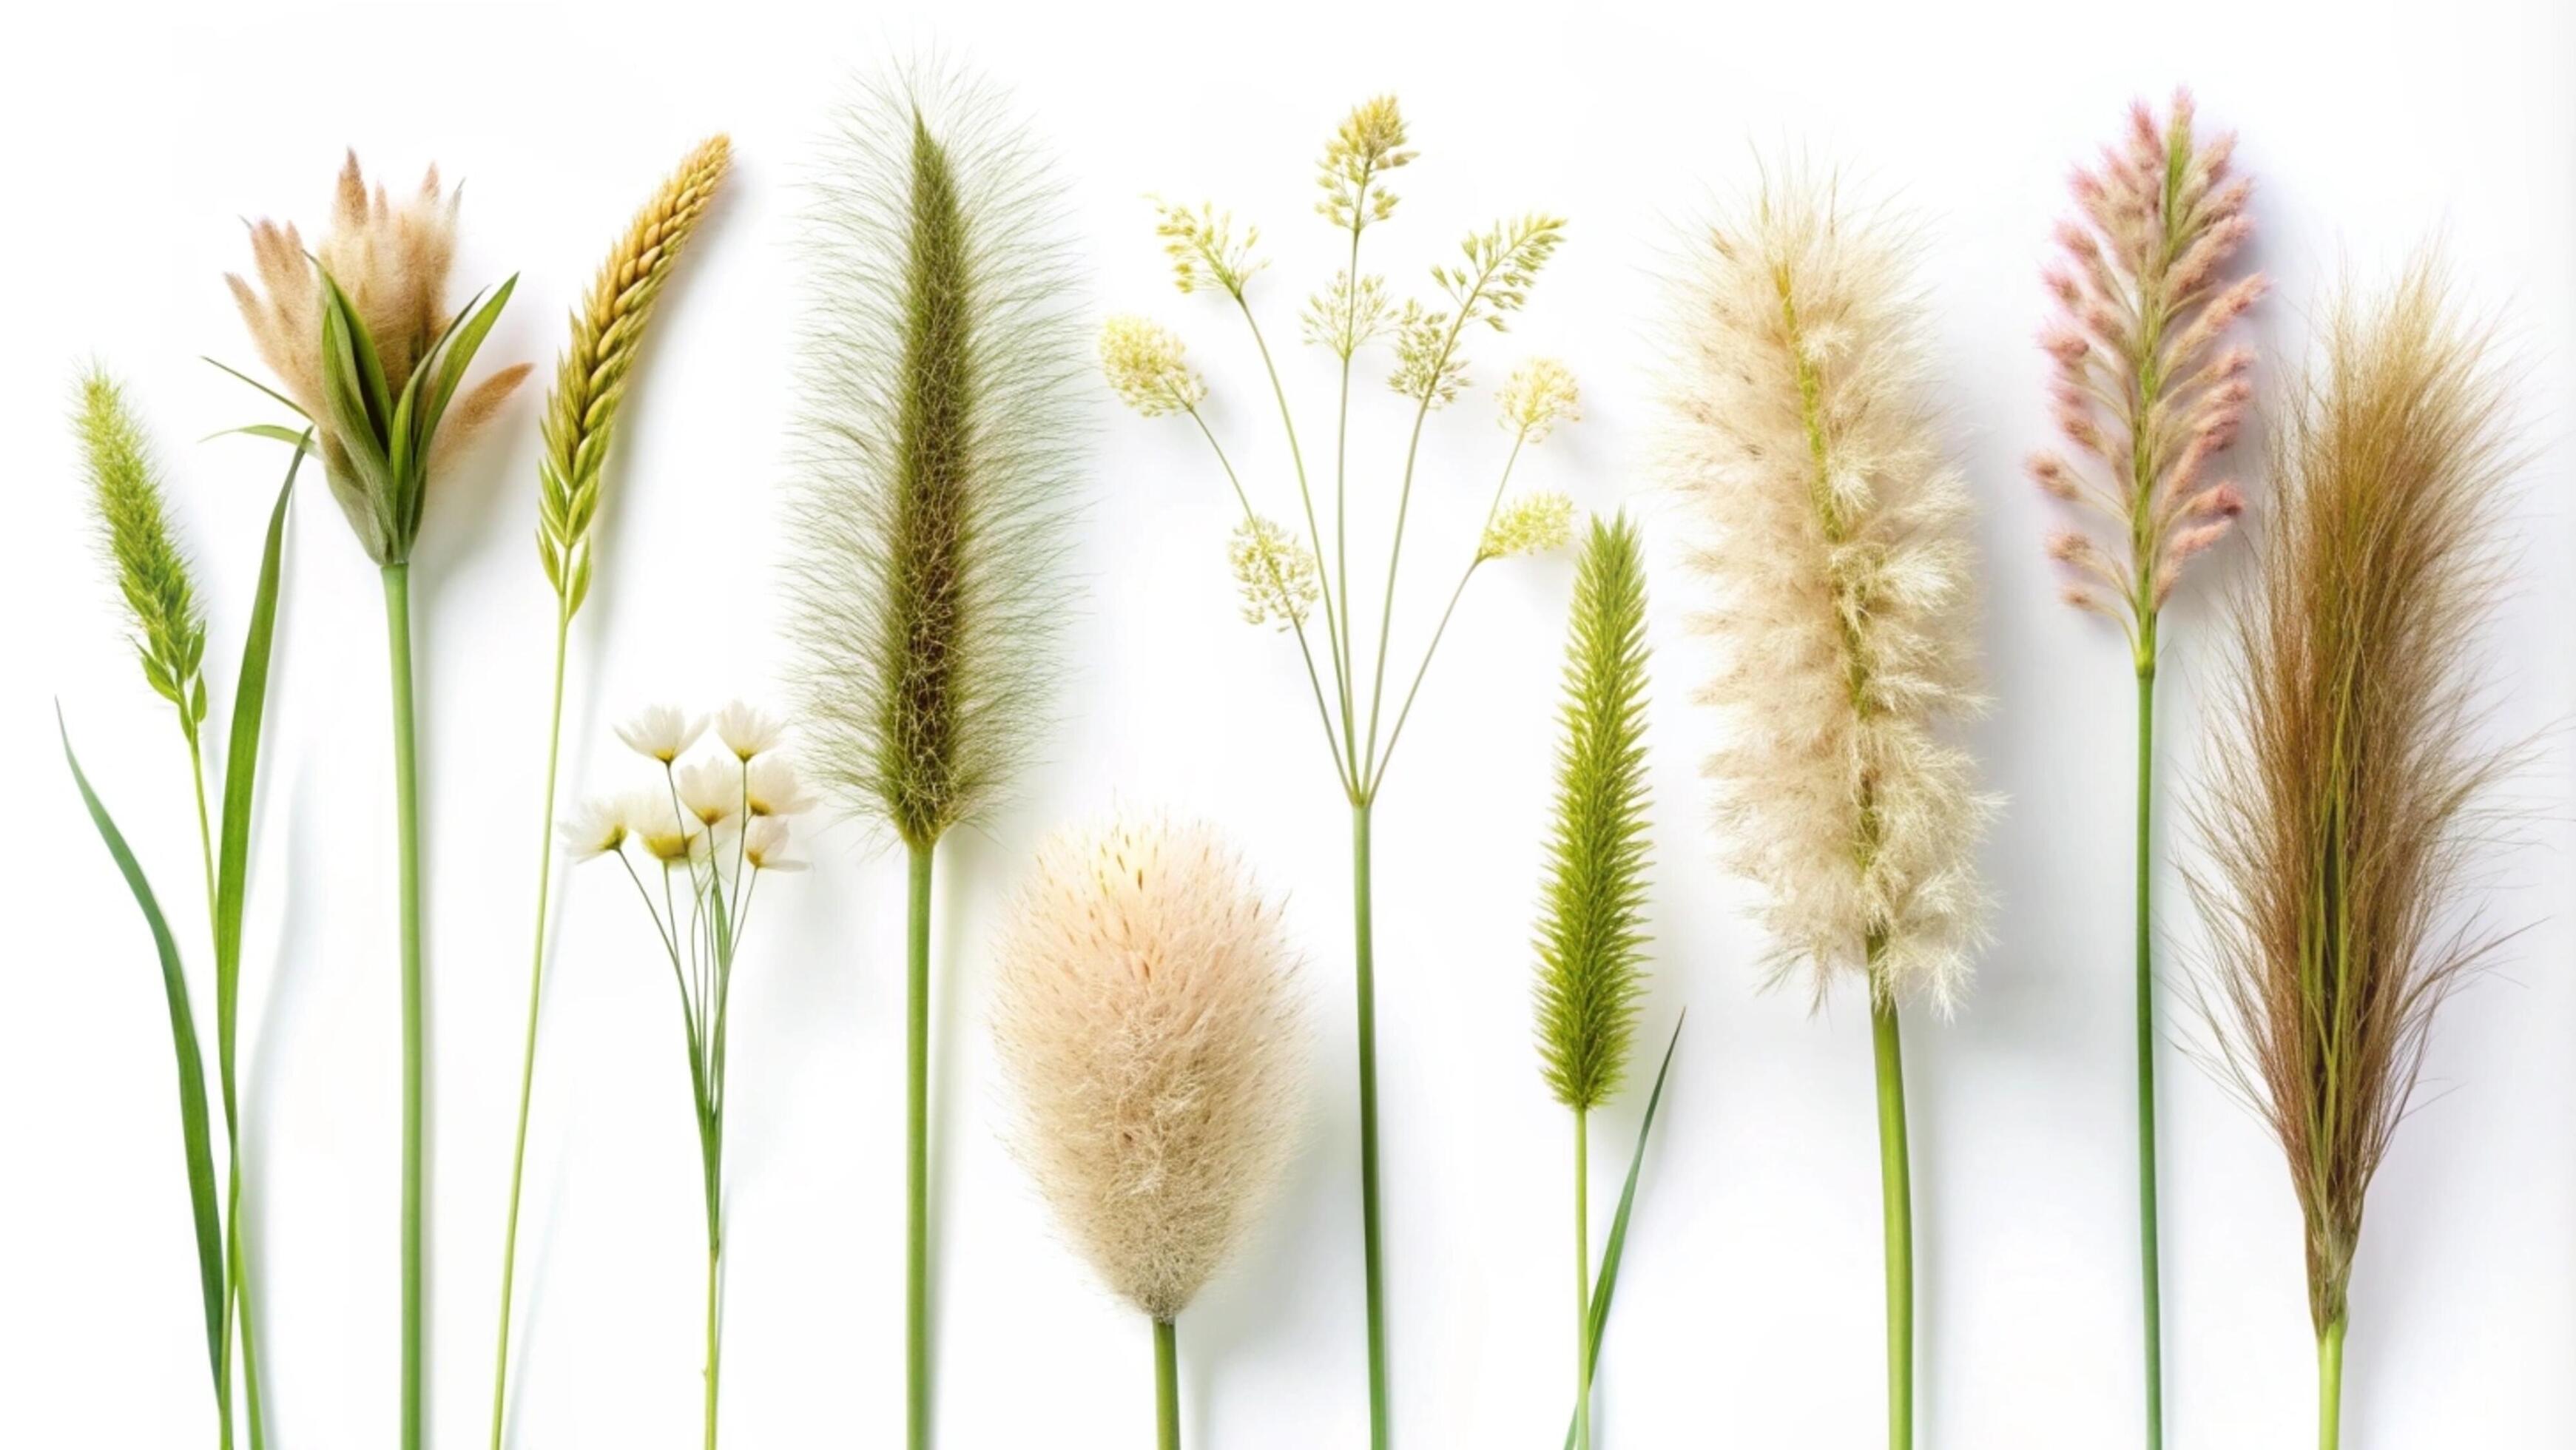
195,1136
415,1100
1613,1249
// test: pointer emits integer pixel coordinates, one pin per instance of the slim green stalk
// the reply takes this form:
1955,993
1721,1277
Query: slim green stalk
1167,1386
916,1161
715,1254
1897,1208
2330,1386
2150,1276
1364,974
1582,1282
397,579
232,1186
528,1051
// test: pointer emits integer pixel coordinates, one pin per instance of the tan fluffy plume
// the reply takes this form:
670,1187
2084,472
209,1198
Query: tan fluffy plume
1146,1014
1833,541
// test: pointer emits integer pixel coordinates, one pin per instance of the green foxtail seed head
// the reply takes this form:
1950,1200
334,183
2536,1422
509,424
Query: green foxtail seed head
134,536
1591,937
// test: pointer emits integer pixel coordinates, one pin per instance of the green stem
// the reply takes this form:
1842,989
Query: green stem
2330,1386
397,578
916,1286
528,1052
1365,973
714,1330
1897,1207
232,1182
239,1276
1167,1386
1582,1281
2150,1275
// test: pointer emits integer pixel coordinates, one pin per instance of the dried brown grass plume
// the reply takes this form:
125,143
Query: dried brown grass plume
1833,540
1146,1014
2344,803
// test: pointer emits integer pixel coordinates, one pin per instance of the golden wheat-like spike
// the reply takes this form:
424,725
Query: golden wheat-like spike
590,380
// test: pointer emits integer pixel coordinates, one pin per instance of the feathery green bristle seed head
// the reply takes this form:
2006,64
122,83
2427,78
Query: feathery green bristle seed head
134,536
1591,935
939,452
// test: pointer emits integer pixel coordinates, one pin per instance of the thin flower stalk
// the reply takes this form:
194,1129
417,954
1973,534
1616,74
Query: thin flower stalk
2148,398
1591,938
364,348
1146,1013
1835,550
2348,802
703,836
940,451
1305,585
580,424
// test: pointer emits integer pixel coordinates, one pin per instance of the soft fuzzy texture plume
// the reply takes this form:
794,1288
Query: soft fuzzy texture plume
1834,543
1591,934
590,379
134,536
2344,801
1146,1012
938,454
2143,393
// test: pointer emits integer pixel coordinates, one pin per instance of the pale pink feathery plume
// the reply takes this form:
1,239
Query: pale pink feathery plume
2142,394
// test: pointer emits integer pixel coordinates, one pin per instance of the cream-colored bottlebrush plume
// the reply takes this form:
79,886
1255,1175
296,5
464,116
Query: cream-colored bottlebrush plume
581,421
939,458
1835,552
2344,804
1146,1012
2148,402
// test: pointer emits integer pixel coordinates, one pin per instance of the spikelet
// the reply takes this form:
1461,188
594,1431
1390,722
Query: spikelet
938,453
1144,1007
134,538
1835,547
1591,935
2142,393
2345,800
590,379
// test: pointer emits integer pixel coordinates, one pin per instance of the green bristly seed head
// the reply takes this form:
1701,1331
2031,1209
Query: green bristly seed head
1591,940
938,448
134,535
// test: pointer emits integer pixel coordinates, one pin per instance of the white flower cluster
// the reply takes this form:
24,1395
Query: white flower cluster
722,814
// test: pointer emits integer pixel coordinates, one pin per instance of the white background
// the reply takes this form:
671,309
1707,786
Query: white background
1750,1311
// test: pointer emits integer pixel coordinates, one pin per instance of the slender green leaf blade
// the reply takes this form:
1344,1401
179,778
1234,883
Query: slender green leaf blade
455,351
274,432
192,1064
1617,1245
241,774
290,404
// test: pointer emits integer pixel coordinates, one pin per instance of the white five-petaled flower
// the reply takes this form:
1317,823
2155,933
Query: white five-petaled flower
660,733
594,829
746,731
774,789
665,834
764,845
711,790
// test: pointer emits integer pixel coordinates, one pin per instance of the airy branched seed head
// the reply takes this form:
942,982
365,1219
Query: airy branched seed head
1204,248
1145,1007
590,380
1540,395
1535,523
940,455
1369,144
1591,932
1274,571
2347,805
1148,367
134,537
2141,391
1835,546
1348,315
1502,264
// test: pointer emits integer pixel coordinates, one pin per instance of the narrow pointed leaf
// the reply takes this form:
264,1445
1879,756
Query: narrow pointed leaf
192,1064
1617,1245
456,351
290,404
272,431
